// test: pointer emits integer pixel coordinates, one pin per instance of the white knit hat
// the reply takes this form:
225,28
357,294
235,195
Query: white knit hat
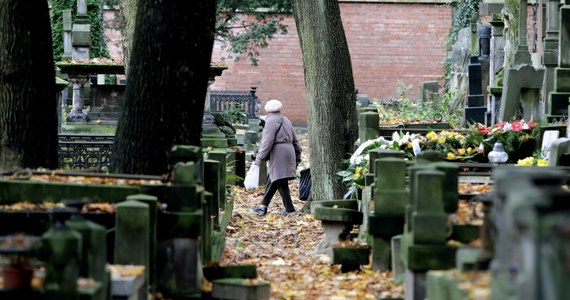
273,105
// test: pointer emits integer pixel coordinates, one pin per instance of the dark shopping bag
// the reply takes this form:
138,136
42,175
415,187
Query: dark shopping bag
305,184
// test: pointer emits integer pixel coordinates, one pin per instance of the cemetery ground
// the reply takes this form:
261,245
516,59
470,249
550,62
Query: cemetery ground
284,250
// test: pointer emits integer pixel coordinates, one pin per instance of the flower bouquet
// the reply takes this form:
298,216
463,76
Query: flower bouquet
453,145
358,166
518,137
532,161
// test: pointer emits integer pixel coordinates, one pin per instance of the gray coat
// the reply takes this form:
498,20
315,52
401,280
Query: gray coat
281,146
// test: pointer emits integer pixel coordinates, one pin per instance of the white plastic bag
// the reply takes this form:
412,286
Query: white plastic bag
251,180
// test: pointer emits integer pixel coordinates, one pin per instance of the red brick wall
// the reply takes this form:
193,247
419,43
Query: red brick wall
388,43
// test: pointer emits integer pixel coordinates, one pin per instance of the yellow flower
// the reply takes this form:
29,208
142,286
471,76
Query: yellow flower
461,151
441,140
450,155
469,150
409,145
542,162
358,170
356,176
432,136
529,161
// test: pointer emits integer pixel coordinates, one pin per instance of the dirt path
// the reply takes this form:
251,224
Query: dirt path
283,250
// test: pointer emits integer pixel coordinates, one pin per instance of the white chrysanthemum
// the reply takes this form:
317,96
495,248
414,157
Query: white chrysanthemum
358,160
362,147
507,127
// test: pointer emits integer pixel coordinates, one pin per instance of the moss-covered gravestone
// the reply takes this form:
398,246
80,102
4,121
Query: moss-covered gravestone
220,155
94,248
424,242
61,249
390,196
152,203
368,126
132,234
212,178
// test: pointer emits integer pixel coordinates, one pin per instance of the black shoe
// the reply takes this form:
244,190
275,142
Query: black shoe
262,210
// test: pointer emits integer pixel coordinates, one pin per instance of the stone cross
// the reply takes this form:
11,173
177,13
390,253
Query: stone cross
81,33
66,34
522,56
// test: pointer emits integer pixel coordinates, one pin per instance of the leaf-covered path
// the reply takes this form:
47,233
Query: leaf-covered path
283,248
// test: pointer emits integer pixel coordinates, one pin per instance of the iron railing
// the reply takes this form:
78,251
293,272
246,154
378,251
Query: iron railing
246,101
85,151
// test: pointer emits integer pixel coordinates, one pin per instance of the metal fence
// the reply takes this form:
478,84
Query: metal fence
93,152
85,151
246,101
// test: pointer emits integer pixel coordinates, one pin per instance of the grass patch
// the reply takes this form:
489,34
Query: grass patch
88,128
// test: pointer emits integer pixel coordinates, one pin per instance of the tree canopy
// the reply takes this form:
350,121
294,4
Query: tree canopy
245,26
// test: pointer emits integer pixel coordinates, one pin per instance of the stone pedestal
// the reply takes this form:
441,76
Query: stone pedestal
77,113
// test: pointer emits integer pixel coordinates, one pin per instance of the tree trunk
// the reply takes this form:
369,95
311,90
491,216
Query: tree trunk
331,98
128,13
28,103
168,77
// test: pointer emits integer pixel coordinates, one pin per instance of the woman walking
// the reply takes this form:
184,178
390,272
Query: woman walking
280,146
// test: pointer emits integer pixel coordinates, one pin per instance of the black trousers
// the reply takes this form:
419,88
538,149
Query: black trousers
281,185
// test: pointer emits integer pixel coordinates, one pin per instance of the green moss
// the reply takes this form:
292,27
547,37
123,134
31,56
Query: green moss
94,14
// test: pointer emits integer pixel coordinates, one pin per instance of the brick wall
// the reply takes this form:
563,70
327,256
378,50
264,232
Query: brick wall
388,43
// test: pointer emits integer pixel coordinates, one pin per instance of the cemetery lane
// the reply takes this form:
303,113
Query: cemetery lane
283,248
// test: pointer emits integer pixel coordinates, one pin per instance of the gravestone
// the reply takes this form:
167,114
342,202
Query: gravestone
60,252
67,26
220,155
550,49
496,63
460,57
390,196
429,91
179,249
152,203
522,83
132,236
529,211
558,100
80,42
81,32
559,154
475,110
424,241
520,96
368,126
548,138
